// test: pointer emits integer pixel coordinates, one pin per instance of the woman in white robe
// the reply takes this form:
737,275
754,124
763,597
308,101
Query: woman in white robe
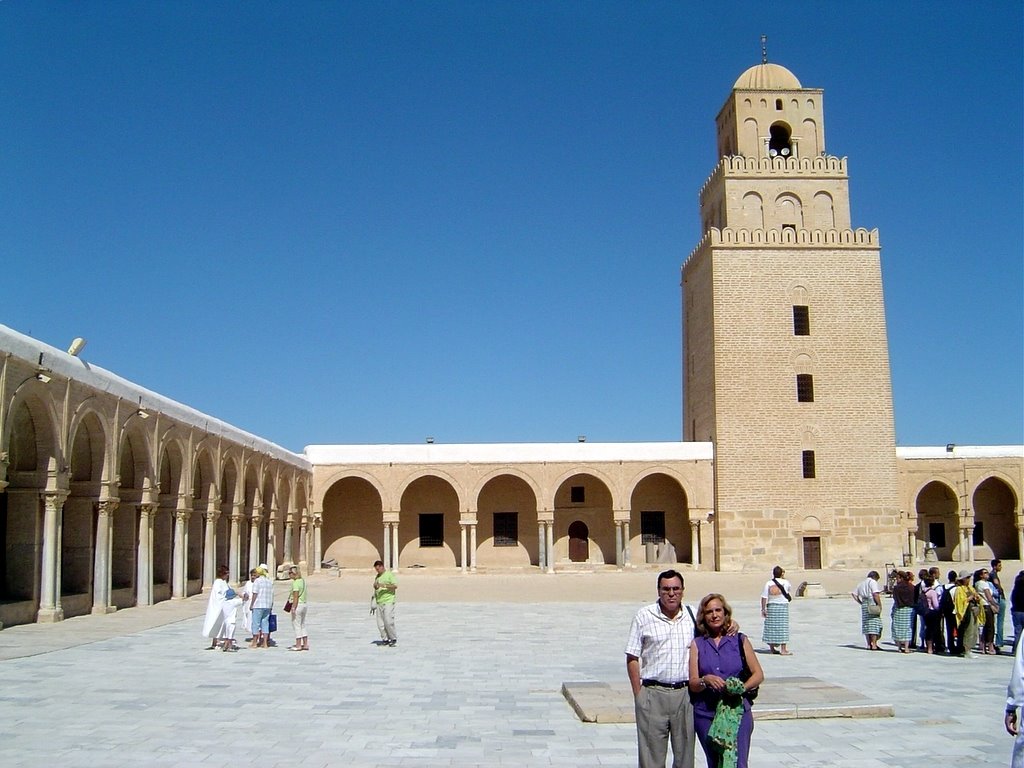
221,612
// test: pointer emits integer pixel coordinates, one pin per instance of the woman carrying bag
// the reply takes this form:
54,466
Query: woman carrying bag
869,594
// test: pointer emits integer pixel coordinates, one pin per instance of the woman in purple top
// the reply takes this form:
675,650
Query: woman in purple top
715,657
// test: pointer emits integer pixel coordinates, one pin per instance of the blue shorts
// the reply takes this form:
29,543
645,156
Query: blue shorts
261,620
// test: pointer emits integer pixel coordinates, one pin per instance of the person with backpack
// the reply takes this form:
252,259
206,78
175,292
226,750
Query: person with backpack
931,616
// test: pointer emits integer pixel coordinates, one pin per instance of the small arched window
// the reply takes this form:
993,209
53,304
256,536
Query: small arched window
778,105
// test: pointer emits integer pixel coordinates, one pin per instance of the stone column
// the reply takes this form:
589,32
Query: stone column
695,543
49,583
386,559
271,546
1020,540
101,562
179,564
542,559
472,548
289,550
968,545
620,518
394,546
144,558
549,546
318,522
234,542
254,543
210,545
462,547
618,543
627,558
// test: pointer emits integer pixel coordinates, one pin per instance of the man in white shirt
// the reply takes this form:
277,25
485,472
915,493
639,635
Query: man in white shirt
657,663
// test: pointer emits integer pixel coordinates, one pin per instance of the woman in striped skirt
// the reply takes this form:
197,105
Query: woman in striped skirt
869,594
775,610
903,611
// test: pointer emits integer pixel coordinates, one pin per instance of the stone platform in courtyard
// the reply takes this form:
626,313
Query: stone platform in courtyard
786,698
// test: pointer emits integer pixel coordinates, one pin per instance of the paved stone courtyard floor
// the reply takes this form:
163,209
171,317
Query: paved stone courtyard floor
469,684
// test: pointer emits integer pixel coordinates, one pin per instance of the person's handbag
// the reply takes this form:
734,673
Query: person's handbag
230,594
874,610
273,622
288,607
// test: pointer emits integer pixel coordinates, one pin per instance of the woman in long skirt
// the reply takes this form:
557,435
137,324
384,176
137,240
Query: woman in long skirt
775,609
903,611
869,594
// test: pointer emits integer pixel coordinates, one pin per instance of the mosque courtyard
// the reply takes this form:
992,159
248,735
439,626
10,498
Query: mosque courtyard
474,681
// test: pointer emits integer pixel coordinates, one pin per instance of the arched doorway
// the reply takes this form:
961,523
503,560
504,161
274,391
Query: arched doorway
995,531
938,519
579,542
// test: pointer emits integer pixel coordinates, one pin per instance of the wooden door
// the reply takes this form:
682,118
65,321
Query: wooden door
812,553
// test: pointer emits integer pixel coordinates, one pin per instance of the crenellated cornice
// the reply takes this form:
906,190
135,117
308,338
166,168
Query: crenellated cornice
739,167
789,238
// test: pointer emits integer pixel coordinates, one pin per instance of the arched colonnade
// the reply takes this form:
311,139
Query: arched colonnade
962,503
567,512
111,496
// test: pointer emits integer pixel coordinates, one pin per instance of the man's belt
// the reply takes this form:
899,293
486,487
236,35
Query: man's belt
659,684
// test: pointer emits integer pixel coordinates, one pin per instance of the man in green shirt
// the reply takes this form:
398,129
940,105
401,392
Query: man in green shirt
384,587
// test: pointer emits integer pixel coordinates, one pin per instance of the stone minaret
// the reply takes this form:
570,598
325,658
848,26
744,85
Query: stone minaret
785,360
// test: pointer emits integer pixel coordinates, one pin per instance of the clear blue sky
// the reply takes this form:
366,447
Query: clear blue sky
374,222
